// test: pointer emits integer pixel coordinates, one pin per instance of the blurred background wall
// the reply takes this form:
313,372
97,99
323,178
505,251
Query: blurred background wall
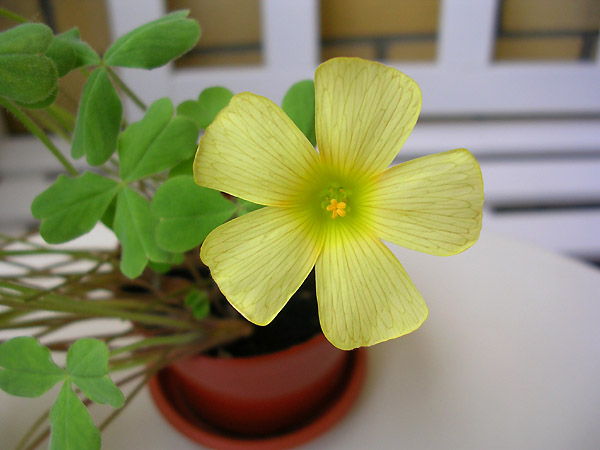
515,81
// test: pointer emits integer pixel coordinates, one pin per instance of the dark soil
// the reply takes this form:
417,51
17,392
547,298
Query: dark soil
297,322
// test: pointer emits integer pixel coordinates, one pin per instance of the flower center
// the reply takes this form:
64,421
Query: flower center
337,209
336,202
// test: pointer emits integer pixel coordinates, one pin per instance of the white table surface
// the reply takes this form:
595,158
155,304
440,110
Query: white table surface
509,358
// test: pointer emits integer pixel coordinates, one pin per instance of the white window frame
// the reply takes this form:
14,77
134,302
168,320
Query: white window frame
464,80
524,161
561,152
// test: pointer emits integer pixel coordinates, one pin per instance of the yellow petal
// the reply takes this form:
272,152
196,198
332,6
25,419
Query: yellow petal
254,151
430,204
261,258
364,294
364,113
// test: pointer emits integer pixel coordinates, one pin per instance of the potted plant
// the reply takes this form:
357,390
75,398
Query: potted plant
275,218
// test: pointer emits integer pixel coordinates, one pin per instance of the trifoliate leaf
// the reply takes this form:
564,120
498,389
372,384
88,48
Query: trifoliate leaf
190,109
156,143
135,226
27,369
69,52
185,167
28,38
72,206
87,363
71,424
27,78
84,54
109,215
26,75
156,43
87,357
98,120
210,102
187,213
159,267
63,55
42,103
299,105
100,390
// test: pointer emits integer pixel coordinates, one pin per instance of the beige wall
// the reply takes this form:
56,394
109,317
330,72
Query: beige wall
231,32
393,30
547,29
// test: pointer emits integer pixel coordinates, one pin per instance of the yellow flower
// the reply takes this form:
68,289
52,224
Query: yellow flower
329,209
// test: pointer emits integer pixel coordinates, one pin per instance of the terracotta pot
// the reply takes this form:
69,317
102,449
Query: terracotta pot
262,394
277,400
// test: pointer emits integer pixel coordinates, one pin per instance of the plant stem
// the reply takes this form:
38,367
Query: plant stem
7,316
69,281
49,321
156,341
28,434
128,400
31,294
62,116
92,308
77,254
49,122
48,330
18,264
140,104
128,304
31,126
12,16
168,356
106,337
38,440
119,364
147,373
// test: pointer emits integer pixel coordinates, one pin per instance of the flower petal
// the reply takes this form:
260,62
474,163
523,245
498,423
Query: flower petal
430,204
254,151
364,113
364,294
261,258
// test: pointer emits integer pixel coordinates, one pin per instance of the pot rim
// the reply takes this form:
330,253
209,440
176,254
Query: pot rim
317,339
206,435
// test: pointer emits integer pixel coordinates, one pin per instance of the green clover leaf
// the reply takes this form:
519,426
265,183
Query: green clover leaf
69,52
187,213
156,43
198,302
26,75
135,226
156,143
299,105
98,120
87,364
84,54
72,206
71,423
210,102
28,369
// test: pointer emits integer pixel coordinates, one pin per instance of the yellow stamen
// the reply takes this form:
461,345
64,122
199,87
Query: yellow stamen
337,209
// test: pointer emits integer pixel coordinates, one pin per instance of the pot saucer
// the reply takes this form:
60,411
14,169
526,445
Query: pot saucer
173,406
